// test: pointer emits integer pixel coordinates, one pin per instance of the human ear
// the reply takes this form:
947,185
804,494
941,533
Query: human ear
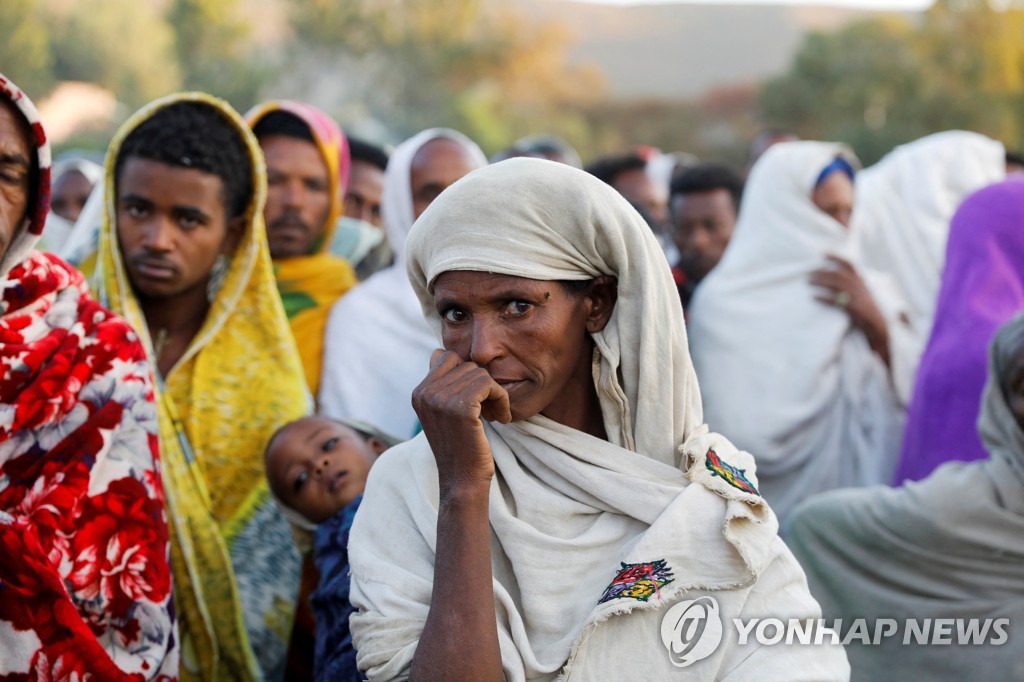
602,295
235,230
377,445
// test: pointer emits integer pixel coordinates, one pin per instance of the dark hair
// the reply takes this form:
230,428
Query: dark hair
283,123
195,135
607,168
707,177
362,150
1014,158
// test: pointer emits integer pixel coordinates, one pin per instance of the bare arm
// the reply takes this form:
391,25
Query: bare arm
451,402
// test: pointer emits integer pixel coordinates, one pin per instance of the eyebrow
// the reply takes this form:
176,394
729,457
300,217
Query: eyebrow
180,208
316,433
499,296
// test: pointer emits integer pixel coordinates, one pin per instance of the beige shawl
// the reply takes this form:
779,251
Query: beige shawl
568,510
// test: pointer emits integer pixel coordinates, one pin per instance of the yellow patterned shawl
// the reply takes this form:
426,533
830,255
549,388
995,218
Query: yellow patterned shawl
235,567
310,285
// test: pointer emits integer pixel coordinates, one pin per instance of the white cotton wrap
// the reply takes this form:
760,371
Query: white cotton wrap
566,508
905,203
787,377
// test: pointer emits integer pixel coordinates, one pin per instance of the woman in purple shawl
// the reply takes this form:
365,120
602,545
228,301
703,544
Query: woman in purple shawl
982,288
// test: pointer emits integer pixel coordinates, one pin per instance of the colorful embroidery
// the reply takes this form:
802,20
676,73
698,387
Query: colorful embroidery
638,581
730,474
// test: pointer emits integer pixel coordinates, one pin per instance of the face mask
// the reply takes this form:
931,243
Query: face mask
354,238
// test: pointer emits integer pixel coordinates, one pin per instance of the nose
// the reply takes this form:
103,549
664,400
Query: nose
487,342
294,194
159,235
699,240
320,465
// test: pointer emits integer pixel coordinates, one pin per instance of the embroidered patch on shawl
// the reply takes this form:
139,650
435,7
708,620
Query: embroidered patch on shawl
638,581
735,477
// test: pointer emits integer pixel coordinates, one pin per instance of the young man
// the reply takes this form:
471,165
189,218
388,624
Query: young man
183,254
307,172
85,582
360,236
704,203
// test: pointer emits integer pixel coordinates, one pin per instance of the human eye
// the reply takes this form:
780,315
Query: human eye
189,220
316,185
137,211
454,315
299,481
329,445
518,308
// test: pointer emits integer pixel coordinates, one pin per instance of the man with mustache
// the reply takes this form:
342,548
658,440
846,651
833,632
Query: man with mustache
308,167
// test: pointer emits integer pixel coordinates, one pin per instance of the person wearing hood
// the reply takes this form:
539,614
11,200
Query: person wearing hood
790,333
308,167
183,256
565,513
85,580
377,342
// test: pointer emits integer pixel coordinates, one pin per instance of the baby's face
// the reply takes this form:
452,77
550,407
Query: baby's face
317,466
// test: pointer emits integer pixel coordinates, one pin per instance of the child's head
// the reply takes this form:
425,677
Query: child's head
316,466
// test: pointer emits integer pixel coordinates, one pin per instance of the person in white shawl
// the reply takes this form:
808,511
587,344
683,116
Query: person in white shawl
792,353
904,206
948,547
376,343
564,496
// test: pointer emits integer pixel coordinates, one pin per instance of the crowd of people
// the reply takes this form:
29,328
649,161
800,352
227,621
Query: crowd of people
277,403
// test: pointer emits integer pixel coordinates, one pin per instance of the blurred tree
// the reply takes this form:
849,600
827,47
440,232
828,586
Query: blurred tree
215,51
474,65
25,54
125,46
880,83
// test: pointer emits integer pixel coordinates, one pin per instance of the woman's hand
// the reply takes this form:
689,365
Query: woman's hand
451,403
848,291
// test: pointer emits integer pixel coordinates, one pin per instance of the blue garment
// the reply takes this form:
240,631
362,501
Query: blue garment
335,657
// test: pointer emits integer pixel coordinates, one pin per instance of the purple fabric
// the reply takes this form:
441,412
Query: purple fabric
982,288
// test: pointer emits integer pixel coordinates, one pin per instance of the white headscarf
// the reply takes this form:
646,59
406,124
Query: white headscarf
567,510
58,229
949,546
376,345
904,206
786,376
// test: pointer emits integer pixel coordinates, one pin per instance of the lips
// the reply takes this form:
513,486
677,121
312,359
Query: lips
153,269
509,384
337,481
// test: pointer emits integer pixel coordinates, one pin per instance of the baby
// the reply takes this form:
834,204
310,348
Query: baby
317,469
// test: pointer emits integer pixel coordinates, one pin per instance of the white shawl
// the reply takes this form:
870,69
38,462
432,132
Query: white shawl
377,345
784,375
567,509
950,546
905,203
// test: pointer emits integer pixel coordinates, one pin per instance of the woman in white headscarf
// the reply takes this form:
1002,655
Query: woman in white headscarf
948,547
795,373
377,344
564,505
905,203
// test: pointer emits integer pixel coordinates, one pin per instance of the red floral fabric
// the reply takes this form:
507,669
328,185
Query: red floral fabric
85,584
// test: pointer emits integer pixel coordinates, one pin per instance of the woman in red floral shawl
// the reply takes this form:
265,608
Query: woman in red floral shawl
85,584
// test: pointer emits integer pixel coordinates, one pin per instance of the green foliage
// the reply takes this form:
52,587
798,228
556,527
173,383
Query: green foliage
25,50
123,45
877,84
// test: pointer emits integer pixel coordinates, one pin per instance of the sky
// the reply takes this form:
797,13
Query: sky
861,4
